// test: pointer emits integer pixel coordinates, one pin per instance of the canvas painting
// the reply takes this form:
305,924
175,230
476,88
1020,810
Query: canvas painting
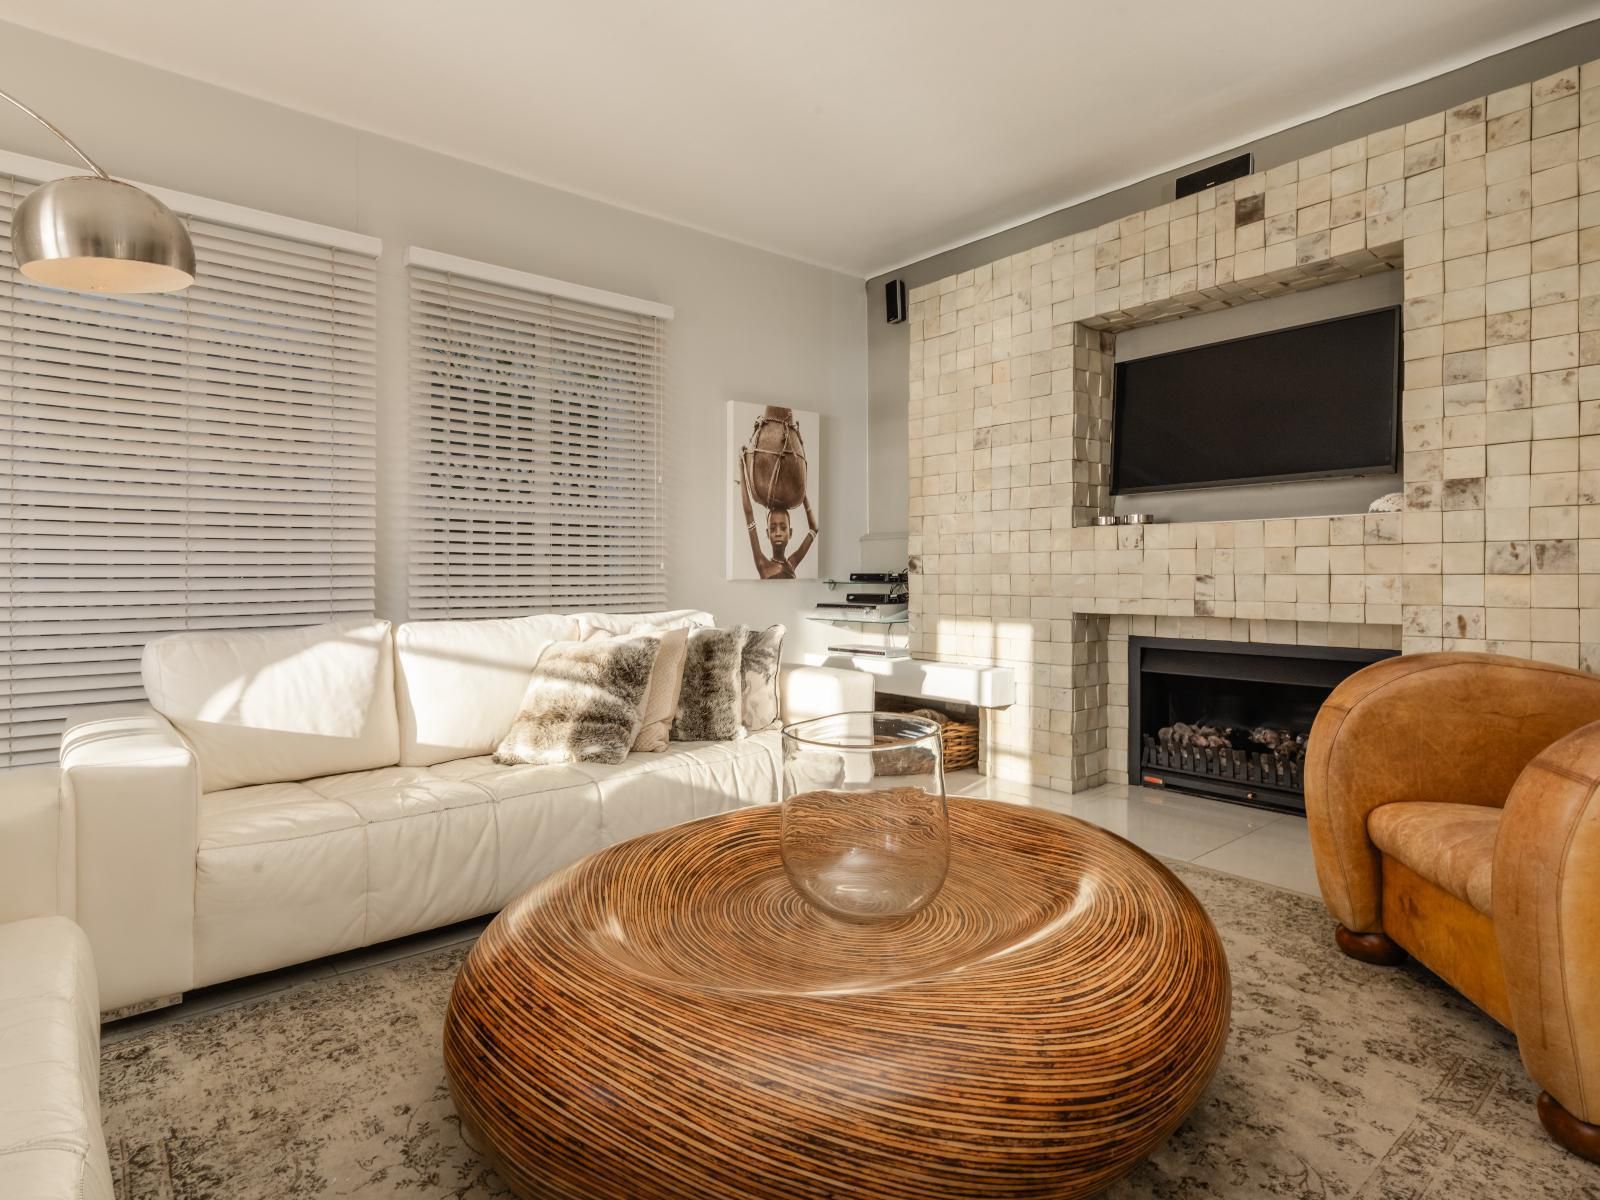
773,524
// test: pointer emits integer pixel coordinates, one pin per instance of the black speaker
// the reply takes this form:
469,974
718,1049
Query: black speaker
1208,177
894,300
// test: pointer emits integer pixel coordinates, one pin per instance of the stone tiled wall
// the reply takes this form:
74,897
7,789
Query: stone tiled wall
1491,210
1314,569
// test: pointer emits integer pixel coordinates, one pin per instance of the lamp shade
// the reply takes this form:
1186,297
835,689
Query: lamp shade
93,234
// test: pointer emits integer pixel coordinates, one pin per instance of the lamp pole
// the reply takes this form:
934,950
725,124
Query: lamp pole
70,144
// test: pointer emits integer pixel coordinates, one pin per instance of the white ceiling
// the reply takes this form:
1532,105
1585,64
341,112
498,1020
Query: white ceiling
861,134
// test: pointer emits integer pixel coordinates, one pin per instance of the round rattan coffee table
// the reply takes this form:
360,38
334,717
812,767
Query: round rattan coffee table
667,1018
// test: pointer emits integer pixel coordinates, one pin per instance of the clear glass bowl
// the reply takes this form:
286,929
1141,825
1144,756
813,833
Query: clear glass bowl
865,833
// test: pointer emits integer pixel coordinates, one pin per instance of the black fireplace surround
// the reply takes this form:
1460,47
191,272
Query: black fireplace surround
1229,719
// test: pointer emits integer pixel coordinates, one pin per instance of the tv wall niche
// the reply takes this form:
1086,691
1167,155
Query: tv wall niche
1315,401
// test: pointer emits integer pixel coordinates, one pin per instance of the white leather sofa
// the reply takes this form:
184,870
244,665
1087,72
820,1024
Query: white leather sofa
296,793
51,1146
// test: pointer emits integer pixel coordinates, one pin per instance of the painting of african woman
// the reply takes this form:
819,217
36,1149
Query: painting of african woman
773,523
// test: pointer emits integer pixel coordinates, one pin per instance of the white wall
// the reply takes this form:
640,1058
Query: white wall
750,325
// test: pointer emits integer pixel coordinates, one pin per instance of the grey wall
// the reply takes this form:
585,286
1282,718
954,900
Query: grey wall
888,345
802,344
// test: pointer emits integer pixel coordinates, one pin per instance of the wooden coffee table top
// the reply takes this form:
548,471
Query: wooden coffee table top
670,1018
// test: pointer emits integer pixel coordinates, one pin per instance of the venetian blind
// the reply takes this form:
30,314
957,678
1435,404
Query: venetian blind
202,460
535,451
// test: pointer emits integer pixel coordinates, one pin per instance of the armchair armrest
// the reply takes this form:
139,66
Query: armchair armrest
1547,918
1450,727
130,797
806,692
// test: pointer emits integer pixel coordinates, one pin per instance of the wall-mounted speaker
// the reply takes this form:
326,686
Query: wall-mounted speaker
1208,177
894,300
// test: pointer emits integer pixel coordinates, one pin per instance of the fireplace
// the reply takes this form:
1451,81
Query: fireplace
1229,719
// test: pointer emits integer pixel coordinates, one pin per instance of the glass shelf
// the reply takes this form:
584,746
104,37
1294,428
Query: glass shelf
897,619
861,583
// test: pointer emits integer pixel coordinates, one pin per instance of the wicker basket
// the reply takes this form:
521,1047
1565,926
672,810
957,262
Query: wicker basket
960,745
959,739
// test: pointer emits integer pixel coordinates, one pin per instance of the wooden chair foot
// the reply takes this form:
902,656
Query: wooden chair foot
1580,1137
1378,949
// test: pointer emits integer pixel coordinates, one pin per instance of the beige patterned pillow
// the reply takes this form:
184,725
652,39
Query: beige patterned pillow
759,691
661,697
582,704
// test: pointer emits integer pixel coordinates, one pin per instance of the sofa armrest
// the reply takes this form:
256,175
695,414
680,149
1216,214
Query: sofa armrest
1547,918
51,1140
807,692
130,798
1451,727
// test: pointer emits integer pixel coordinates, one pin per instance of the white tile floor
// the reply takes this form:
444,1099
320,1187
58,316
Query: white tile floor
1269,847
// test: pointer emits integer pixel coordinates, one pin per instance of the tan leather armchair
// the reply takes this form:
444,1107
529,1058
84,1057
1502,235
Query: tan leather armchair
1454,816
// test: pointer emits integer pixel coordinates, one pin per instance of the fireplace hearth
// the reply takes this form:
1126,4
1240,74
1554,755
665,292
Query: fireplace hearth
1230,720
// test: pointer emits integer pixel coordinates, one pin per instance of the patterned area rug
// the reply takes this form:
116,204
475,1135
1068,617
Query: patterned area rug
1340,1080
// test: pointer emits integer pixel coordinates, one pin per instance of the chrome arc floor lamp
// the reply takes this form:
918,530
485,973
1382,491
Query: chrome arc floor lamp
93,233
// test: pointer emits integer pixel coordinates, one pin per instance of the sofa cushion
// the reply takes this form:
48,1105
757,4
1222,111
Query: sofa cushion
289,872
546,818
280,878
693,780
51,1145
549,817
270,812
593,624
431,847
1451,845
460,683
293,871
263,706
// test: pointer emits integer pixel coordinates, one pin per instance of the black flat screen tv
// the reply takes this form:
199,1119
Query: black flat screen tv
1311,402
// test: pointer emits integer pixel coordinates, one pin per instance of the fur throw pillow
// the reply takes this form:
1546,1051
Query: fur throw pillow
762,650
710,703
582,704
666,678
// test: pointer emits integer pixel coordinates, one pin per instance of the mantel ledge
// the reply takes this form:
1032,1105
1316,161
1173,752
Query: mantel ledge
1350,614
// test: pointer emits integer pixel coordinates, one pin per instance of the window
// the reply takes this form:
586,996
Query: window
535,444
196,461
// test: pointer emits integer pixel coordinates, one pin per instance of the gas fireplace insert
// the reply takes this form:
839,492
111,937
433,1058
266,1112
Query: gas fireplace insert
1230,719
